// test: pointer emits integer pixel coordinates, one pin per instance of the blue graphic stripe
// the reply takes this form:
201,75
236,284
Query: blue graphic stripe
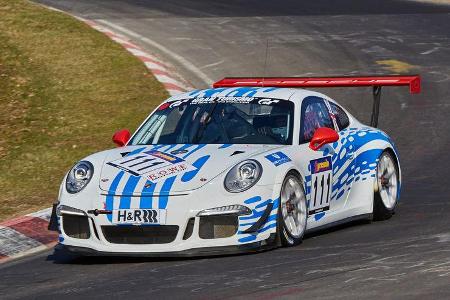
253,200
225,146
136,151
111,192
125,201
168,147
270,223
273,225
198,164
363,164
247,239
243,91
184,147
254,215
263,204
319,216
147,195
269,219
165,190
200,146
156,147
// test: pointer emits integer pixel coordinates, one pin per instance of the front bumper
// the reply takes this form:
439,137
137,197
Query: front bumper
180,210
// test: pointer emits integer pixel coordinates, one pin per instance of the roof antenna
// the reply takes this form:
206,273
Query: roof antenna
265,62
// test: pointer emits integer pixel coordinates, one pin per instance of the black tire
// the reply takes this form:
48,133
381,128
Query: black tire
381,211
283,235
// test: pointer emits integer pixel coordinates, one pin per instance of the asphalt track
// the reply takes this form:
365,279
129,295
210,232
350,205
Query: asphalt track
405,257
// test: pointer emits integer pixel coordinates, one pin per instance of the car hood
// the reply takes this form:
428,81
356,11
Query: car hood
135,169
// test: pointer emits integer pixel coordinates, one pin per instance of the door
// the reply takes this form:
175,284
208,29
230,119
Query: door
315,113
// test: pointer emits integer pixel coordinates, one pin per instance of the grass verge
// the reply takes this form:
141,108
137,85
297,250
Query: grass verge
64,89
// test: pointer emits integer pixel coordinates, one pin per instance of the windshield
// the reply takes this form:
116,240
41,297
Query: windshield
219,120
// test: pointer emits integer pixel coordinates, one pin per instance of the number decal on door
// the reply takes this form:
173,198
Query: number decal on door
321,173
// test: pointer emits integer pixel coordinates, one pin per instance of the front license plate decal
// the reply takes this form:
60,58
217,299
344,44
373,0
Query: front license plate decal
139,216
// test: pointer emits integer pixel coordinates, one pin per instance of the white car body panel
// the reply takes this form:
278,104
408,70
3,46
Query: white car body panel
353,159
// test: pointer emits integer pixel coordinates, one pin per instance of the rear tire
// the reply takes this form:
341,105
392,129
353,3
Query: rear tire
386,187
292,211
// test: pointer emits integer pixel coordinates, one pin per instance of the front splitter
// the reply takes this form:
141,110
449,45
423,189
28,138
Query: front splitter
259,246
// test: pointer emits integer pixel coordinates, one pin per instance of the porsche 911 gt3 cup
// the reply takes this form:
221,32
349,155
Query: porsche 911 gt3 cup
248,165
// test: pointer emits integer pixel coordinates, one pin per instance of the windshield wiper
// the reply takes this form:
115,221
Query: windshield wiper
203,126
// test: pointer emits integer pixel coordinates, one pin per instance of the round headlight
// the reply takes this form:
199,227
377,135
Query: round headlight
79,176
243,176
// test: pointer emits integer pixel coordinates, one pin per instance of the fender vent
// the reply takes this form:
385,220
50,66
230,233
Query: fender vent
216,227
189,229
76,226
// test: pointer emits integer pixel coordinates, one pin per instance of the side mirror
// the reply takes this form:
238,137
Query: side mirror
121,137
322,136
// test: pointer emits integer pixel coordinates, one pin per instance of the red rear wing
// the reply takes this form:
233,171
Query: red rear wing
413,81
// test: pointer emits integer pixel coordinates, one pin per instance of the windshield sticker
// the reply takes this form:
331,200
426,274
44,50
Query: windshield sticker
242,100
224,99
278,158
267,101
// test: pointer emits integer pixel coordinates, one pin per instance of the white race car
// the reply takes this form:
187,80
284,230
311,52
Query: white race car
250,164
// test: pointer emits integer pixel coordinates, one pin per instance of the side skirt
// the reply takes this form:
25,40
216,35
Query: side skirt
340,222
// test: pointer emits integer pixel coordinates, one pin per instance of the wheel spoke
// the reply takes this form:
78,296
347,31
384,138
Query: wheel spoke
387,180
293,196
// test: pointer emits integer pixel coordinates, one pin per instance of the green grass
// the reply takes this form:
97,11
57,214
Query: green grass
64,89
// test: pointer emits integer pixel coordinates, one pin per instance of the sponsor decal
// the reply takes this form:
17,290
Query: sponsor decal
321,165
268,101
223,99
165,156
139,216
278,158
231,99
164,172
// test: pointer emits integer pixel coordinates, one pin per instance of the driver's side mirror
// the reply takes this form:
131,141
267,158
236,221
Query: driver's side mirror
322,136
121,137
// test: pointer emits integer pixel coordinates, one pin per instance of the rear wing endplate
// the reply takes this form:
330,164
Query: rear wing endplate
413,81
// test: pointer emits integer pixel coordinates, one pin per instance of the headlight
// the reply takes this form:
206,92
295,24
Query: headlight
243,176
79,176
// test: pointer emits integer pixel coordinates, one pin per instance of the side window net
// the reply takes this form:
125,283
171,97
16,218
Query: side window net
342,119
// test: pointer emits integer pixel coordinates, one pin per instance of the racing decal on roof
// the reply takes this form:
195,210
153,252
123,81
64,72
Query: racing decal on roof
278,158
